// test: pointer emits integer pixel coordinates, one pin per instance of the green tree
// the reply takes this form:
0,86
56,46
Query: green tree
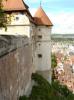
53,61
53,65
43,90
3,20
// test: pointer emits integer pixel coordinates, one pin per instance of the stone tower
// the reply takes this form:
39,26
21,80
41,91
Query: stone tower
42,55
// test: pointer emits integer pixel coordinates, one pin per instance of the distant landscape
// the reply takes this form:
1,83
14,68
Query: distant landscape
63,48
67,38
63,36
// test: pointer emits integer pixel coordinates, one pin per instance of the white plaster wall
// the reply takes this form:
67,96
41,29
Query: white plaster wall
45,32
43,47
16,30
17,27
43,63
22,19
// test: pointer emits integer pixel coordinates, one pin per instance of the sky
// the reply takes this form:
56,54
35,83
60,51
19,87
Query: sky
60,12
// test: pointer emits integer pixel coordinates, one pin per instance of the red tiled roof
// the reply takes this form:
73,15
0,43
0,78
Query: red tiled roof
13,5
41,18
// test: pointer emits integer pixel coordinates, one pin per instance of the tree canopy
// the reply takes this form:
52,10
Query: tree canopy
53,61
2,16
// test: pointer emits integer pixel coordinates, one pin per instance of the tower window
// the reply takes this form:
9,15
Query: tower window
39,44
22,13
39,36
17,18
39,55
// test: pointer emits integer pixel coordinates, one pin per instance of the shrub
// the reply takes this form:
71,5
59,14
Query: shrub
42,90
23,98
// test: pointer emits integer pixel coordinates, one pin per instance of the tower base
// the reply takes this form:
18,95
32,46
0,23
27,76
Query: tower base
46,74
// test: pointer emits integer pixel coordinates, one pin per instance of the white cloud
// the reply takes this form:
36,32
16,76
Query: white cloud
33,10
63,22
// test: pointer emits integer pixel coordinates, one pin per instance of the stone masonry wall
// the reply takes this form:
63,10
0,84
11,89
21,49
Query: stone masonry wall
15,71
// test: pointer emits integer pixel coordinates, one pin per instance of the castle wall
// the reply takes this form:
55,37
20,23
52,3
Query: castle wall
43,51
44,62
33,31
16,69
45,31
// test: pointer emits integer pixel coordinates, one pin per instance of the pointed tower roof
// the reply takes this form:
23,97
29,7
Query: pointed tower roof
14,5
41,18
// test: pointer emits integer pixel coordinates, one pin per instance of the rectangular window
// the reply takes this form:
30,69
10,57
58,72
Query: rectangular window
17,18
39,55
40,36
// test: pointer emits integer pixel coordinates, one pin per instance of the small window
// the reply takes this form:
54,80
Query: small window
40,55
40,36
32,37
22,13
39,44
17,18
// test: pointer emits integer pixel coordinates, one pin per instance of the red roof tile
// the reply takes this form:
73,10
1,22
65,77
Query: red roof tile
13,5
41,18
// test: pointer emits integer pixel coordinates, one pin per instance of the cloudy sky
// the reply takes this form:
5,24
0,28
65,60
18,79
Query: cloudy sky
60,12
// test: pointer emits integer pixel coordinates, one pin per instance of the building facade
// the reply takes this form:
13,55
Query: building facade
38,31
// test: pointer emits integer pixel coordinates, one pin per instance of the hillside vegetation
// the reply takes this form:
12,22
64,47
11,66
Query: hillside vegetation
45,91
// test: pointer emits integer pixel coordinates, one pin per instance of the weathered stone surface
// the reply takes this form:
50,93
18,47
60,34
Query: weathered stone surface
15,69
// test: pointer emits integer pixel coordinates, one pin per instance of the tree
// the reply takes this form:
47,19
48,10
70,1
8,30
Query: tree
53,65
3,20
53,61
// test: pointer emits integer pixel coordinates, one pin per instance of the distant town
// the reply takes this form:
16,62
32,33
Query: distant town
63,48
62,35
